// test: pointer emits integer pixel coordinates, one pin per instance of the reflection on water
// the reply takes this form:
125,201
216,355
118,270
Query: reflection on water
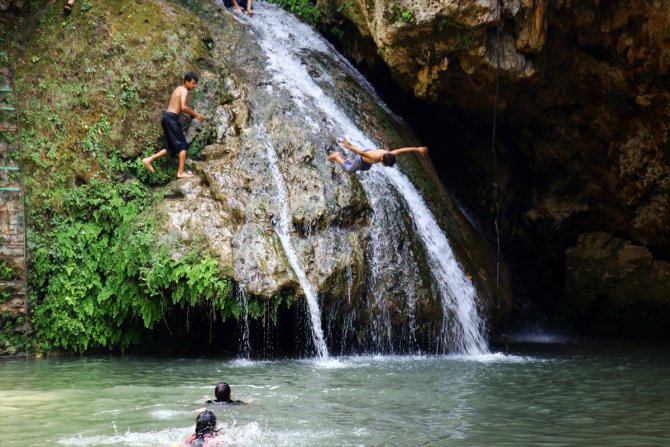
566,396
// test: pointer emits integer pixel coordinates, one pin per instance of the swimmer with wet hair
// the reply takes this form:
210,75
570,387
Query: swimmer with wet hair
205,431
222,393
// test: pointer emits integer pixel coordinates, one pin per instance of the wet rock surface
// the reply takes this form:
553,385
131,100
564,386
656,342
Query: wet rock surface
583,135
231,207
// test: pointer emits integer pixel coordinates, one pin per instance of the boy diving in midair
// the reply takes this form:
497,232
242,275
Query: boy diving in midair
366,158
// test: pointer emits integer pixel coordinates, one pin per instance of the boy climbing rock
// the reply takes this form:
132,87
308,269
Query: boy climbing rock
175,142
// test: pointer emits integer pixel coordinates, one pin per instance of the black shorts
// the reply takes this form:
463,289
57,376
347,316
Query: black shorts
175,142
242,3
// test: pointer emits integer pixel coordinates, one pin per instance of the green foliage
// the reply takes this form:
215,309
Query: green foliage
338,33
408,17
305,9
207,43
7,273
7,137
5,295
95,135
165,168
101,279
129,96
12,342
345,6
196,147
398,13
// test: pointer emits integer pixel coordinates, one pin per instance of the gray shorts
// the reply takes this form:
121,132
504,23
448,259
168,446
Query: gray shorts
357,164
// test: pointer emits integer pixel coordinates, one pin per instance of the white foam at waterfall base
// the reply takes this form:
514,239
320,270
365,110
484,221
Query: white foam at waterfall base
283,232
284,39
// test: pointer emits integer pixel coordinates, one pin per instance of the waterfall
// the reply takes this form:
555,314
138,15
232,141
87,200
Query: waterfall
282,227
462,328
244,343
286,42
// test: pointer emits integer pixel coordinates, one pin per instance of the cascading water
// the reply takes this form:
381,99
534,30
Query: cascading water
286,41
244,342
384,258
281,224
459,297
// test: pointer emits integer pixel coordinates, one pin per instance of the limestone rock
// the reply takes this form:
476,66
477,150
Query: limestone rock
263,170
584,100
617,285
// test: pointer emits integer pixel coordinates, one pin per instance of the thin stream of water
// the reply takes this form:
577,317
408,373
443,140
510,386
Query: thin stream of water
244,342
282,226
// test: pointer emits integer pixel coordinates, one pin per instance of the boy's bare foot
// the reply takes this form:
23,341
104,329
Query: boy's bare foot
239,10
185,174
147,163
333,156
250,12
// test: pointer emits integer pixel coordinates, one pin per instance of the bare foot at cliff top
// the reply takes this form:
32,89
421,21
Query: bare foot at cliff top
250,12
185,174
147,163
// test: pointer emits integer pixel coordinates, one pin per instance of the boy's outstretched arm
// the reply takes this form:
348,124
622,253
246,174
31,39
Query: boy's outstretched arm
346,144
423,150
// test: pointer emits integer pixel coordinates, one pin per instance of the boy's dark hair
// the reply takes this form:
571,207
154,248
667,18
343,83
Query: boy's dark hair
222,391
189,76
205,424
388,159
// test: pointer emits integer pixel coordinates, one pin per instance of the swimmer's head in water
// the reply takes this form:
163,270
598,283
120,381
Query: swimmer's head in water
388,159
222,391
205,423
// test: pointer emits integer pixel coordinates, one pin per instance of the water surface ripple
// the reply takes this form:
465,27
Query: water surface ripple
543,399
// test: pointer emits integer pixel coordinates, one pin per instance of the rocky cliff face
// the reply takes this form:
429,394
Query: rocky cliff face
583,137
337,223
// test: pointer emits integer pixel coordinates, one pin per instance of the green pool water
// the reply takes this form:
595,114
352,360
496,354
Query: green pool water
541,395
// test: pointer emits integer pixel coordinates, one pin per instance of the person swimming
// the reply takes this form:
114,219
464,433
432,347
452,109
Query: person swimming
222,393
205,431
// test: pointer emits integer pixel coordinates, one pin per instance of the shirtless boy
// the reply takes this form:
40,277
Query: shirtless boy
366,158
175,142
